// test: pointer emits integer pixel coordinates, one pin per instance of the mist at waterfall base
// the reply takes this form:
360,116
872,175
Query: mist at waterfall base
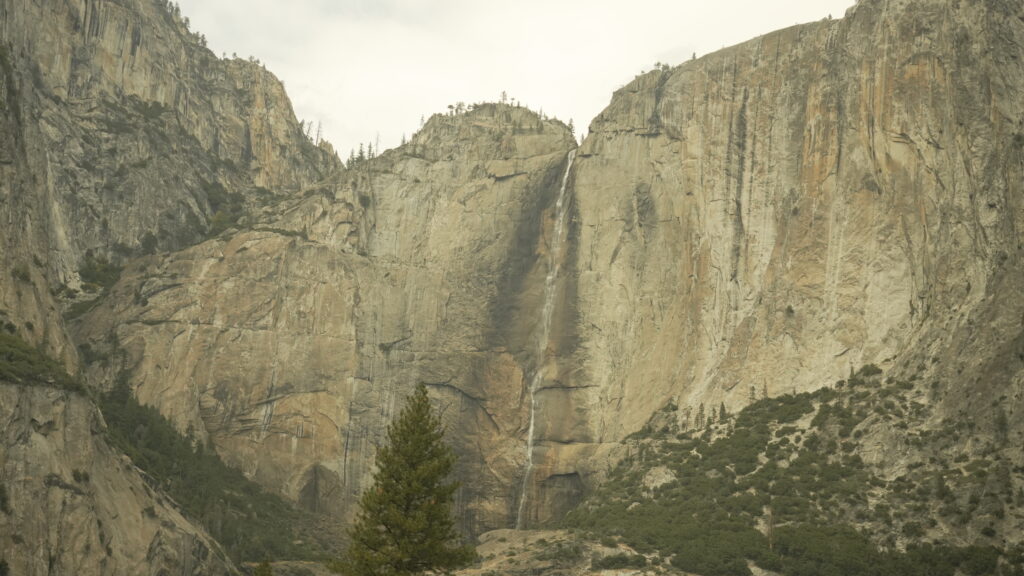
368,70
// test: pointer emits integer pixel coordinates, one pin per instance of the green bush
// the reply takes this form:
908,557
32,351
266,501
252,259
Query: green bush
99,271
21,363
561,552
869,370
226,207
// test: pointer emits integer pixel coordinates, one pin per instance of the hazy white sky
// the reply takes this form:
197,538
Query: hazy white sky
373,67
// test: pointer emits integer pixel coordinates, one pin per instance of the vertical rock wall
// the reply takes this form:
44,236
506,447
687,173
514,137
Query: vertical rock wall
760,220
773,215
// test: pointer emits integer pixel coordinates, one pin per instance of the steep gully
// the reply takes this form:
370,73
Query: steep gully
547,311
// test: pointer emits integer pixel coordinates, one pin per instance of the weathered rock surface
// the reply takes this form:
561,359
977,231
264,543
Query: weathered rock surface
760,220
75,506
290,343
122,134
772,215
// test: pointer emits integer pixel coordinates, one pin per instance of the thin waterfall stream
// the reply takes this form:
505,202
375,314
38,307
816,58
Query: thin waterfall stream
547,311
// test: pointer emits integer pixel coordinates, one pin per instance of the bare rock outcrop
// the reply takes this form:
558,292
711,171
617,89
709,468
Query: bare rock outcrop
123,135
289,343
76,506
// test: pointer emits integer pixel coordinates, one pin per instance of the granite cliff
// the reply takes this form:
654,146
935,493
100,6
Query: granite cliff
289,343
74,505
760,221
123,135
120,135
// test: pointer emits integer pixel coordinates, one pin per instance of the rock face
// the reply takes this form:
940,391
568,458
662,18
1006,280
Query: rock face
758,221
289,344
122,134
770,216
762,219
75,506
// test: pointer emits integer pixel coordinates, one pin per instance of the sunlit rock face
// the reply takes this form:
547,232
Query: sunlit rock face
758,221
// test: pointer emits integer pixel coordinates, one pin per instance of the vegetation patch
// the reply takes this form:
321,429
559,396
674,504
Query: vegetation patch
20,272
618,562
22,363
249,522
5,503
765,487
98,273
226,207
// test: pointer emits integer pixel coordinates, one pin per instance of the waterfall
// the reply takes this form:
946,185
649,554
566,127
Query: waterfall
547,311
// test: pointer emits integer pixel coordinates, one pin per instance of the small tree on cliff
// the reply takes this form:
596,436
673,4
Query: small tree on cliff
405,524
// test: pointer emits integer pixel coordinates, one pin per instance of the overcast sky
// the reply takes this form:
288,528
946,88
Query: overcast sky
373,67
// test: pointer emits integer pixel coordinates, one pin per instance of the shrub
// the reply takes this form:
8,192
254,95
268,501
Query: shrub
226,207
619,562
23,364
869,370
566,552
99,271
20,272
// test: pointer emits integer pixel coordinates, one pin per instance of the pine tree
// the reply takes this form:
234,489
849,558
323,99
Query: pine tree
405,525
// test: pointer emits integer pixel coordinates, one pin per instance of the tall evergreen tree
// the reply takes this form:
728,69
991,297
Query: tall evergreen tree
405,525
